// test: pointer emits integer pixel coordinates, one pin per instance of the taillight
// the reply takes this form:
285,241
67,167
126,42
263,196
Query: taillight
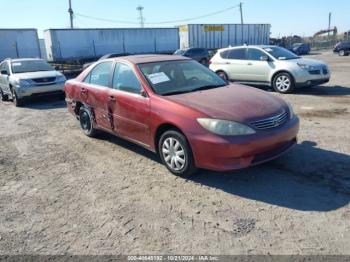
209,63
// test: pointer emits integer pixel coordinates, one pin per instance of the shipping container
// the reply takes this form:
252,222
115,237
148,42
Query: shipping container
42,49
19,43
215,36
82,44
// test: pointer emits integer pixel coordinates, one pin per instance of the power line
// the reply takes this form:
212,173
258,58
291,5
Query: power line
160,22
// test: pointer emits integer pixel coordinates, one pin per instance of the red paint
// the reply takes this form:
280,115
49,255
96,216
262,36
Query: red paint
137,118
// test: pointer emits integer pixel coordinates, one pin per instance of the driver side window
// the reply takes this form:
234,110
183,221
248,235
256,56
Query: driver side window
124,79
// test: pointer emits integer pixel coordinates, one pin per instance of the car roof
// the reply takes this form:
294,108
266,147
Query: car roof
141,59
24,59
247,46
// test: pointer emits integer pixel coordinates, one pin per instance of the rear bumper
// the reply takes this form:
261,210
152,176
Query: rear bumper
23,92
225,154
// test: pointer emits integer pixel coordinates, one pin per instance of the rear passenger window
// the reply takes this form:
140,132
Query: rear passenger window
254,54
237,54
125,79
100,75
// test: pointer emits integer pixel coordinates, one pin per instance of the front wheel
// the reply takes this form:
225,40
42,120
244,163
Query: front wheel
86,122
283,83
176,154
18,102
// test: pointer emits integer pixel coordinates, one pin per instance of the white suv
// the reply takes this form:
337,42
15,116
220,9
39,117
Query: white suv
269,66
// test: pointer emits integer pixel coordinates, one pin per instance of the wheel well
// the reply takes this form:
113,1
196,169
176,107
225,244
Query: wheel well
279,72
78,105
161,130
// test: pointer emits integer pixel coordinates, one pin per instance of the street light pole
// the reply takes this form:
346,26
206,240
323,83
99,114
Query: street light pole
70,11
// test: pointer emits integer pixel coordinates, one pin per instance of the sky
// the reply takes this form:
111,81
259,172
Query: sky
287,17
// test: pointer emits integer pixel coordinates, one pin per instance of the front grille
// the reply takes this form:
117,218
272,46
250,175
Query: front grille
44,80
271,122
314,72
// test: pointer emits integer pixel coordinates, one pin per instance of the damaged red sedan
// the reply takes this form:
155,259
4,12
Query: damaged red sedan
181,110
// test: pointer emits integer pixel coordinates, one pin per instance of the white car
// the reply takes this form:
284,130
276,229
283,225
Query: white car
22,78
269,66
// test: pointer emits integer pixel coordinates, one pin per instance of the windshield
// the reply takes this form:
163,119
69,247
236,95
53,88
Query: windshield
180,52
25,66
177,77
280,53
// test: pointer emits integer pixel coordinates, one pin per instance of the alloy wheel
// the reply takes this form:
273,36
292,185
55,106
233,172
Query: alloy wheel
283,83
174,154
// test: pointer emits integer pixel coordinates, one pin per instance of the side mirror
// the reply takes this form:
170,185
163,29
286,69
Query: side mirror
143,93
264,58
57,68
4,72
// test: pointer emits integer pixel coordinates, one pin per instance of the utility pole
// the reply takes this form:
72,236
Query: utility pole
70,11
141,18
241,10
329,28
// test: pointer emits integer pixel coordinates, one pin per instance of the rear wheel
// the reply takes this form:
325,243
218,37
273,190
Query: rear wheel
283,83
4,97
86,122
342,53
223,75
204,62
176,154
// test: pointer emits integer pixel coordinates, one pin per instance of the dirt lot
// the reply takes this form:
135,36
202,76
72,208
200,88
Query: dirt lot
64,193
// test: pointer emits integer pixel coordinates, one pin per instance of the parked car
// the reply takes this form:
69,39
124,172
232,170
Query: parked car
269,66
342,48
86,65
300,49
23,78
201,55
183,111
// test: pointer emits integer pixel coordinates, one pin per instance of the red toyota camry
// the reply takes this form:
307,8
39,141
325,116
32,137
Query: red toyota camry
181,110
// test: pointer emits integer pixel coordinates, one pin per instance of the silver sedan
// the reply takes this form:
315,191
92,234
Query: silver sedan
269,65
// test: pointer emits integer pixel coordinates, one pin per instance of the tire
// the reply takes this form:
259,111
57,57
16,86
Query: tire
18,102
342,53
3,96
283,83
86,122
204,62
176,154
223,75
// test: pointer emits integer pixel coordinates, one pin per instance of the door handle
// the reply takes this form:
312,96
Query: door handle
249,64
227,63
111,98
83,91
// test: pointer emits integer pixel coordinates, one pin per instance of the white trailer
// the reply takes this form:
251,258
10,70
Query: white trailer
215,36
82,44
19,43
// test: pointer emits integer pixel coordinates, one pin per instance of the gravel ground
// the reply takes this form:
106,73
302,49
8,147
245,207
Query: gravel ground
64,193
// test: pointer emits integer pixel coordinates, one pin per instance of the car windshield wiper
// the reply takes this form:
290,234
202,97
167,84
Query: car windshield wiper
177,92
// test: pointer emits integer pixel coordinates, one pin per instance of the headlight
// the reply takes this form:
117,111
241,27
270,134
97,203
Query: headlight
306,67
225,128
61,78
23,82
291,111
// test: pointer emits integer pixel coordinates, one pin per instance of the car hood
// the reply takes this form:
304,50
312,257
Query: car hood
306,61
234,102
40,74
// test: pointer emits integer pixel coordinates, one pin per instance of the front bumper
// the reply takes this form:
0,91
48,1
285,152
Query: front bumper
305,78
23,92
225,154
